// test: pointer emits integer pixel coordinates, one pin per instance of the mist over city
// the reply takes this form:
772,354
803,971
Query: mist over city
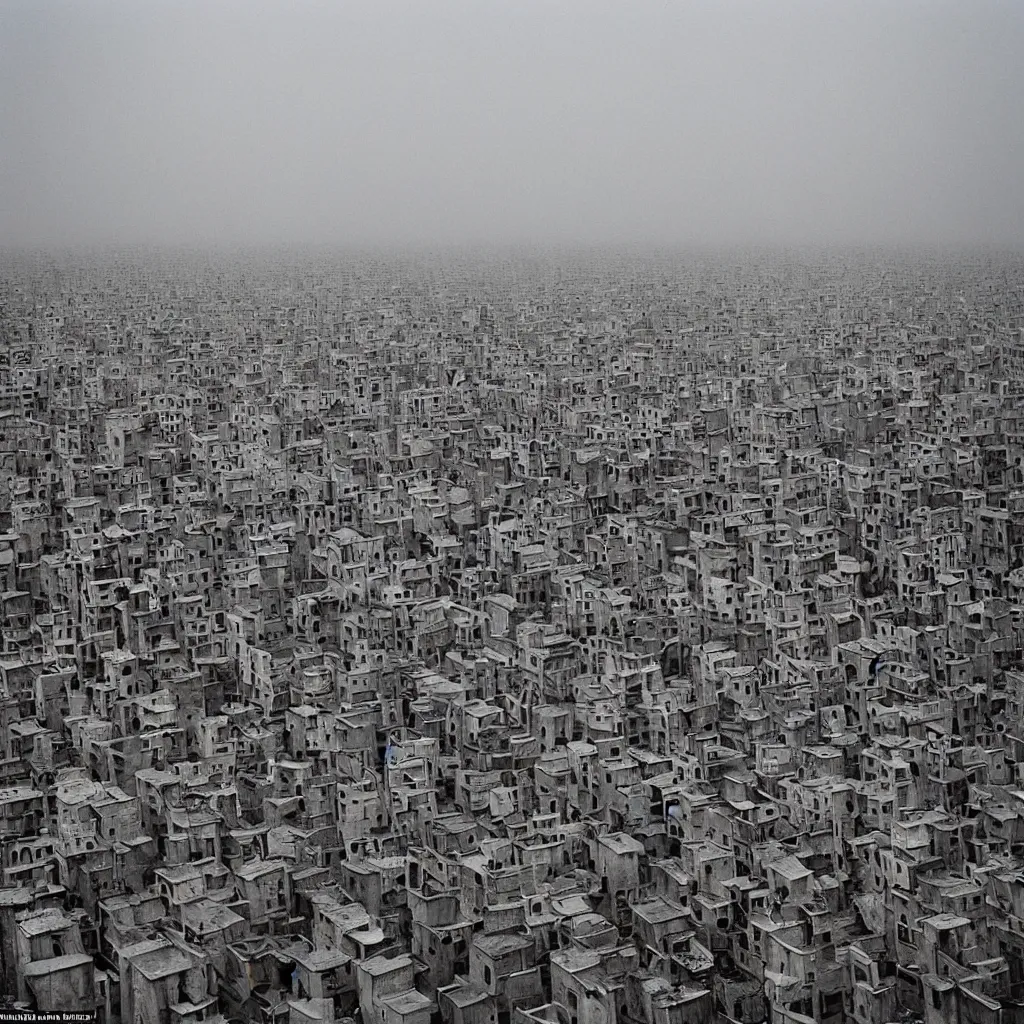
511,123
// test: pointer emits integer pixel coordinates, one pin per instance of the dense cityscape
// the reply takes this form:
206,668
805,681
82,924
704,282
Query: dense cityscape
505,638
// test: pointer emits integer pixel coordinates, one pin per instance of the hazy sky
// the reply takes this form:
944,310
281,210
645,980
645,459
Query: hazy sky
489,121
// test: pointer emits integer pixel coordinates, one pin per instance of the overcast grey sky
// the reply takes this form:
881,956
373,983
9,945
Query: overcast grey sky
512,120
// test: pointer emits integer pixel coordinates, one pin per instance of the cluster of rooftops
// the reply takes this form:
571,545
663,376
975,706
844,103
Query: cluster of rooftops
484,640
